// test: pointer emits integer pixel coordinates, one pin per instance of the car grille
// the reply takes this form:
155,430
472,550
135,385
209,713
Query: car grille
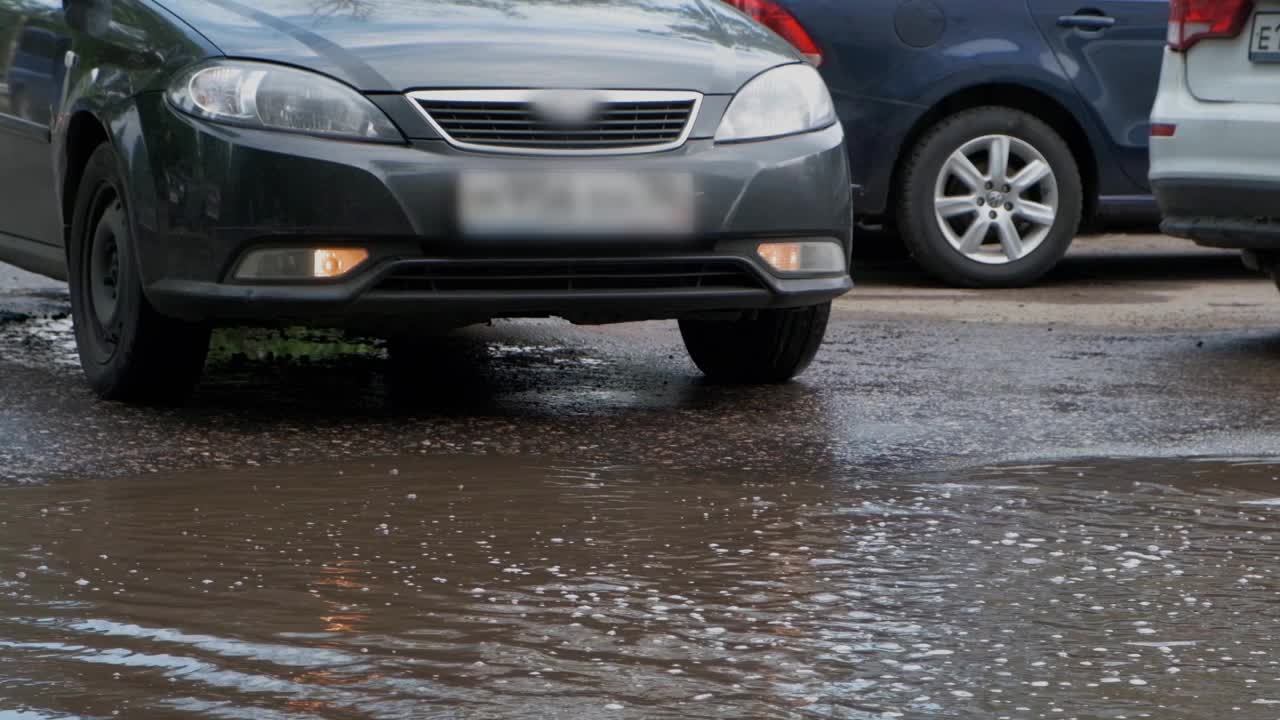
509,121
444,276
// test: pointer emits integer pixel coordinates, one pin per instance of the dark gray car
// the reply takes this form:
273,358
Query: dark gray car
405,167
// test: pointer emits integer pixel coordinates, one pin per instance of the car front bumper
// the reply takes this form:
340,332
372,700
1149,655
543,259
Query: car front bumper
206,194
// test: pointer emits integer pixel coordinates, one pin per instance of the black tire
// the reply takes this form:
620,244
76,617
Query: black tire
920,176
767,346
129,352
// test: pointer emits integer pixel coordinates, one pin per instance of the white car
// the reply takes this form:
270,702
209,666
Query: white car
1215,127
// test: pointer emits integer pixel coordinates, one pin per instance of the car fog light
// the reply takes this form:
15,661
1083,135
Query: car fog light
803,257
300,263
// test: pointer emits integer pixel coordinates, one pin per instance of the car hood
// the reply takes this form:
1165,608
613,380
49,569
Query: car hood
399,45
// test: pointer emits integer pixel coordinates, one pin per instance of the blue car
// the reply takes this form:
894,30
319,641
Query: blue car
987,131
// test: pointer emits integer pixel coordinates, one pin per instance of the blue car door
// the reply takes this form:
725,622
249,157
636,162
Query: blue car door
1112,51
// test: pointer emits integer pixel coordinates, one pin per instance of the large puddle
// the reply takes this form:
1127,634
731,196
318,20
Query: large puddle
483,587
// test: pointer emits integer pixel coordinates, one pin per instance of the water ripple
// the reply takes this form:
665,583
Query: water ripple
483,587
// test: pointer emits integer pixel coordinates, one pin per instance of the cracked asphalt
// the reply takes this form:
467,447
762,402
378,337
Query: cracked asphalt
1136,346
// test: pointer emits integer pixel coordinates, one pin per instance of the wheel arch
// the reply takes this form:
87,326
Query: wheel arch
1042,105
85,133
91,125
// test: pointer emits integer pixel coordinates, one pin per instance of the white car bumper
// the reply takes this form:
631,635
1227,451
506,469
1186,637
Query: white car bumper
1217,178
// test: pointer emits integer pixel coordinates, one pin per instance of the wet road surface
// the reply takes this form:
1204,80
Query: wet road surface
567,522
1149,354
490,587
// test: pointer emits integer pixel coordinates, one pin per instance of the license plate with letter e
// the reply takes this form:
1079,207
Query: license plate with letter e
1264,42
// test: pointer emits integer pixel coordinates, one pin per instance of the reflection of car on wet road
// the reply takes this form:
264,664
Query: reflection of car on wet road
402,170
1213,157
987,130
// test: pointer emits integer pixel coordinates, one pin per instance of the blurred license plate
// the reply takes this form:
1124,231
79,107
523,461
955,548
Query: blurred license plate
1264,42
575,203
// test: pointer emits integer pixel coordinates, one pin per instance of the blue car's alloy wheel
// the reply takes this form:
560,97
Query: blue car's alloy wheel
990,197
1003,212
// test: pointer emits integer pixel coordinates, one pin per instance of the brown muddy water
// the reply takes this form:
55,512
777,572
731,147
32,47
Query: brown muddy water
487,587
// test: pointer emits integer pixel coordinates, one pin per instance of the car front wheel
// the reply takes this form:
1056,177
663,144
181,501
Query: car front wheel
766,346
990,197
129,352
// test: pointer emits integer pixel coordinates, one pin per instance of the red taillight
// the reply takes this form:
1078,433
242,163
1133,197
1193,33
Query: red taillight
1191,21
1163,130
776,18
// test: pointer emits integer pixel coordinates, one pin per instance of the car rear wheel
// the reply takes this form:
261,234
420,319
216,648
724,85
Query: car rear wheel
766,346
129,352
990,197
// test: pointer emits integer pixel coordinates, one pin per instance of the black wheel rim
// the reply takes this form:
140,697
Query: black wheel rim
105,268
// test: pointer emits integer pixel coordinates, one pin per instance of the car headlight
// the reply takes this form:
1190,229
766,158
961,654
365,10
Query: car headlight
783,101
275,97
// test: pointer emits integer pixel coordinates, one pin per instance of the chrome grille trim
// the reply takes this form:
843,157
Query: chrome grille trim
615,101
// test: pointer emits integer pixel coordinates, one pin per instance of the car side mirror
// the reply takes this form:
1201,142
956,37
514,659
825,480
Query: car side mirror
91,17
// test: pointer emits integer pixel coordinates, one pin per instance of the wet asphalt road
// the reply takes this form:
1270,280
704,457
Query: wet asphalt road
1138,346
1045,503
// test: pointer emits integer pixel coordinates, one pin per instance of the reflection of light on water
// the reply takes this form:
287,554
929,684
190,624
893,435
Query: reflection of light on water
40,342
342,623
343,619
512,588
501,349
554,354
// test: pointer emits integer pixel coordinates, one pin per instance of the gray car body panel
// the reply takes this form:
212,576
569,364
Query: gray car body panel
398,201
200,193
375,46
